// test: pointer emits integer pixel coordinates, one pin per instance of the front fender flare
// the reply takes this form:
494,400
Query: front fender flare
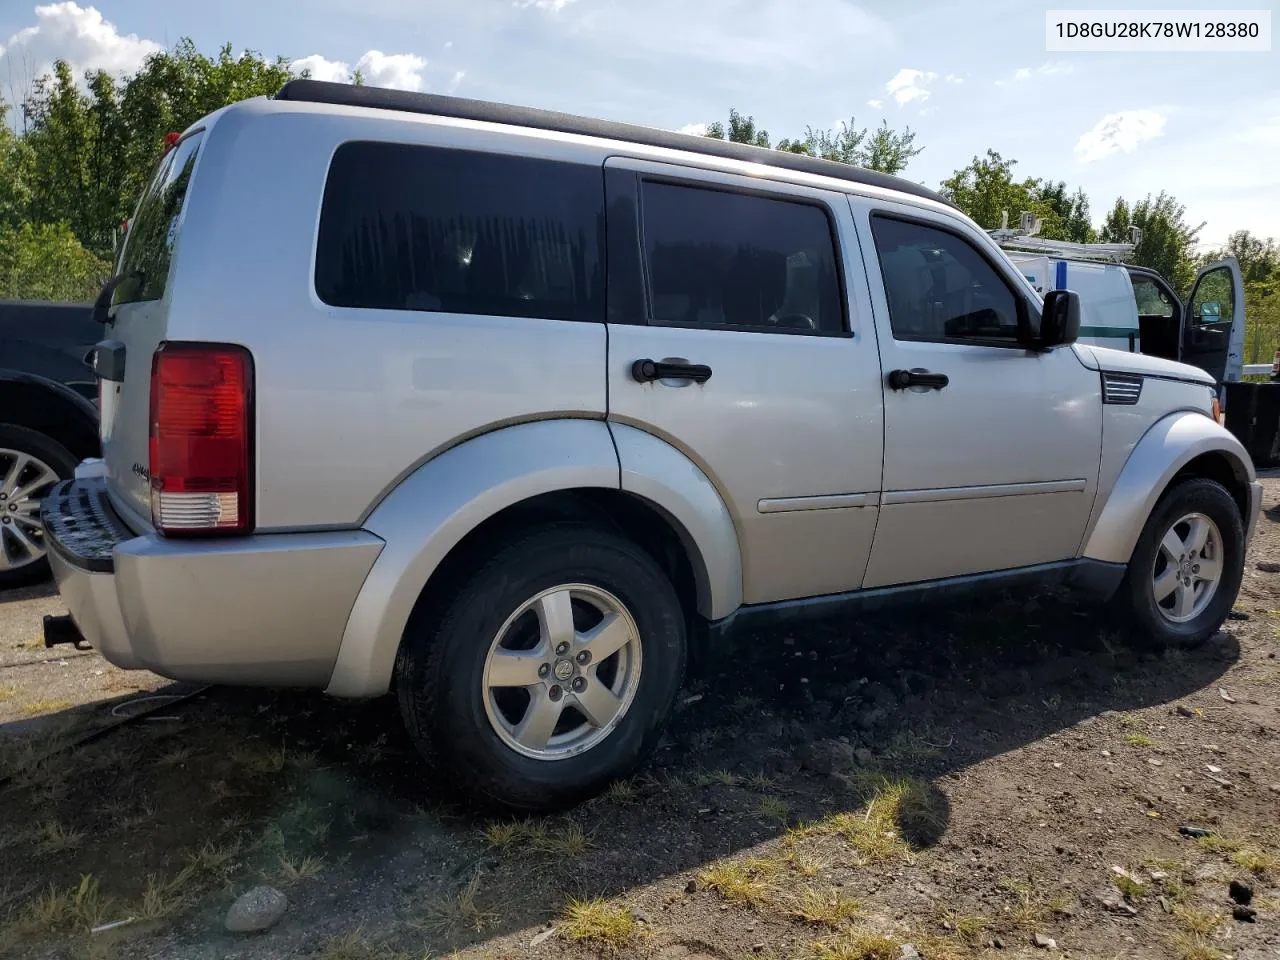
432,509
1165,449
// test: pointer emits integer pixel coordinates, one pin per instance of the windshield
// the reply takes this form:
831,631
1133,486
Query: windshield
144,261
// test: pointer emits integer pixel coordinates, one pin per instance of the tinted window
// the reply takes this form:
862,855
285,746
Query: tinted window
721,259
1213,300
148,248
422,228
939,287
1151,299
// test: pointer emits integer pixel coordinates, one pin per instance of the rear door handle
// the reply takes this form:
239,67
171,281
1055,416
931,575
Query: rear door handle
902,379
646,371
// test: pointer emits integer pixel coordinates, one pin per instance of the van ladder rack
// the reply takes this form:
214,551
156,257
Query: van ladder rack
1063,249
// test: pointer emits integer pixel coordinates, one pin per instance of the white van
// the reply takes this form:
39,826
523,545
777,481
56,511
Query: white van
1134,309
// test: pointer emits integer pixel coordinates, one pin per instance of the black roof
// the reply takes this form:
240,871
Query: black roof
350,95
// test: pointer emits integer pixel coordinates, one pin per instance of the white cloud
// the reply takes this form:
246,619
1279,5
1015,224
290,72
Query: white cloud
401,71
552,6
335,71
763,39
694,129
448,44
1050,69
79,35
1119,132
457,79
875,104
953,78
908,84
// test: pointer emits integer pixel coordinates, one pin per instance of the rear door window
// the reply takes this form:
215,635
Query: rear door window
153,231
738,261
409,227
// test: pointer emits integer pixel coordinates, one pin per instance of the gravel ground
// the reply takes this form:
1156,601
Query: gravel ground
972,780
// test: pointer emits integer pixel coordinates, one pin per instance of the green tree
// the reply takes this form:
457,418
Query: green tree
1168,241
47,263
92,152
1115,226
15,197
987,189
885,149
1260,267
740,130
890,151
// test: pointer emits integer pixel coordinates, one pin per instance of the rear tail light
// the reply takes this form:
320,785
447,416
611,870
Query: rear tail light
201,439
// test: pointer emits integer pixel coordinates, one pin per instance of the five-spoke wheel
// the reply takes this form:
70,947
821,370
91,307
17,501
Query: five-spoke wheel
562,671
548,667
1187,565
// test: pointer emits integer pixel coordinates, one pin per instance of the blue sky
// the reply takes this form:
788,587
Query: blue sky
965,76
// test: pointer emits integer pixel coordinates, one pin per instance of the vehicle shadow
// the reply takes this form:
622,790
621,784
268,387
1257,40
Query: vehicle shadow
784,728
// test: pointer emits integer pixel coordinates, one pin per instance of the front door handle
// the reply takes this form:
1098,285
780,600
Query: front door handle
646,371
902,379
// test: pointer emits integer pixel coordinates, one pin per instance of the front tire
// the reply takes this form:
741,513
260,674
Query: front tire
549,670
1187,566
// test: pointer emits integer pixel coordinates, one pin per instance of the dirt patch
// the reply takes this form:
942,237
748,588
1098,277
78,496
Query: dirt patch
974,780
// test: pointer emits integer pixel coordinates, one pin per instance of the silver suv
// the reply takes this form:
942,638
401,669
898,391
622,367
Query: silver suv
512,412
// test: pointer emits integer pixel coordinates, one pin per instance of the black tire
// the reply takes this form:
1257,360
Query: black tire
440,667
1137,593
61,461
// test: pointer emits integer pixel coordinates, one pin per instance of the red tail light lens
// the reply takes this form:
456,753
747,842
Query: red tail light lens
201,440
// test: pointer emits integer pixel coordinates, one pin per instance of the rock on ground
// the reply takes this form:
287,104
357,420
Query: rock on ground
259,909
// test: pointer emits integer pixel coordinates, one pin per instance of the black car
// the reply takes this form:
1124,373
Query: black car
48,420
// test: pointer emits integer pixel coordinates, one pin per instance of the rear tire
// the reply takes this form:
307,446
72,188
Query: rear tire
23,557
1187,567
504,619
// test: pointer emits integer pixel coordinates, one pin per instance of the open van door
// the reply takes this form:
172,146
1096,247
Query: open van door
1213,321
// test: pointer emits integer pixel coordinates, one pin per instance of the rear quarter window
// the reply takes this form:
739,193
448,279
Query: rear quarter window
153,231
409,227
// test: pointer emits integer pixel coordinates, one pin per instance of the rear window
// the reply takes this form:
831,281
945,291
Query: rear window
153,231
406,227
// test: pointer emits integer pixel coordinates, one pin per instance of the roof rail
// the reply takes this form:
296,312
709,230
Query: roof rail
377,98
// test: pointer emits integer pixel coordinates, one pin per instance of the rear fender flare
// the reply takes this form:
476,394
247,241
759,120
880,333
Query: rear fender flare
432,509
655,471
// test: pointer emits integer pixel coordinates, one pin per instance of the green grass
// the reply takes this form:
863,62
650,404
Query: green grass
856,944
826,907
600,924
744,882
1197,922
1032,906
774,808
459,913
55,838
63,910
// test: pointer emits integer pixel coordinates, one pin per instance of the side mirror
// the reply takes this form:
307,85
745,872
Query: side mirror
1060,319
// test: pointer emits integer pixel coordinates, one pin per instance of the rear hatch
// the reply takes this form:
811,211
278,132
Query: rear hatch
137,325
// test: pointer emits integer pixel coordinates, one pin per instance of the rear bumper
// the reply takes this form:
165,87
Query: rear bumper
268,609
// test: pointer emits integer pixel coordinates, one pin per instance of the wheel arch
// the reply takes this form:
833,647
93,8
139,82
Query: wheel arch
50,408
451,509
1178,447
